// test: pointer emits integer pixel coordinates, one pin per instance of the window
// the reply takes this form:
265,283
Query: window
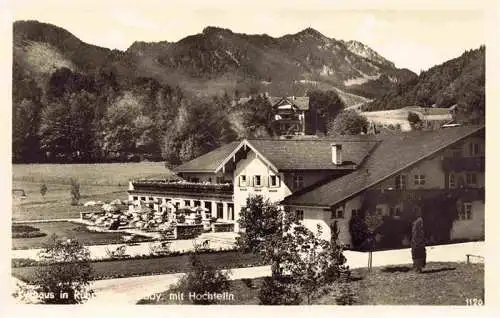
230,211
471,178
143,198
451,181
474,149
337,214
466,212
151,206
416,209
209,180
135,198
197,203
395,211
299,214
243,180
257,181
298,181
187,202
400,182
274,181
419,179
355,213
219,179
220,210
208,206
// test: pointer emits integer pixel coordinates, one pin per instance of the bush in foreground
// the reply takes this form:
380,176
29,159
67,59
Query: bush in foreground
278,290
202,279
67,280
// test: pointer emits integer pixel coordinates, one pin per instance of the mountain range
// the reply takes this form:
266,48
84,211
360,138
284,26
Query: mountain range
77,102
216,60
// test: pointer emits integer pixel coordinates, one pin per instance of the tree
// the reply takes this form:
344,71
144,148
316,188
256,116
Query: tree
348,122
414,120
302,263
75,191
55,131
66,279
324,107
257,114
264,226
313,263
43,190
202,280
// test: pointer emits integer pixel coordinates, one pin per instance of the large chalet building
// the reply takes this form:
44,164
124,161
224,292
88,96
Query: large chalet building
324,181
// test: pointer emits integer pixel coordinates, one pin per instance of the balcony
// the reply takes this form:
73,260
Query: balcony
396,196
183,187
457,164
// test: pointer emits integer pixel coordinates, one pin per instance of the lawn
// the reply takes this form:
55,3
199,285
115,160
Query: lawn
114,174
439,284
98,182
66,230
57,204
160,265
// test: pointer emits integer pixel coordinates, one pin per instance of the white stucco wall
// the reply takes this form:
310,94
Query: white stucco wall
314,216
250,167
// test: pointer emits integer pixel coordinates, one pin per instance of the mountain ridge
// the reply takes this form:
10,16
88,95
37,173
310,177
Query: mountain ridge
225,59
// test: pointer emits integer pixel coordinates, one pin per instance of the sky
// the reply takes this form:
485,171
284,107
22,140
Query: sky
414,35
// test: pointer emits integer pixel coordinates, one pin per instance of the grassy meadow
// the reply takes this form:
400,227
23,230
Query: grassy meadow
439,284
104,182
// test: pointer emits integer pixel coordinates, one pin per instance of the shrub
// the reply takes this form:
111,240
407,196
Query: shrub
21,228
344,295
32,234
248,282
23,262
181,219
43,190
278,290
359,231
67,280
75,191
202,279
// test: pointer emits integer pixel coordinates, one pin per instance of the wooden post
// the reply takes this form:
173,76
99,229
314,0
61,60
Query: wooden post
370,261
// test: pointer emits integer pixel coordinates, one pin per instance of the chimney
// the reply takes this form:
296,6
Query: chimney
337,154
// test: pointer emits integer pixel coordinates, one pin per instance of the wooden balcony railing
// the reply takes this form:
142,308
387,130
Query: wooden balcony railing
183,187
396,196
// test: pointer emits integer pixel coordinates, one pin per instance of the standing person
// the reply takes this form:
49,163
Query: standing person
418,252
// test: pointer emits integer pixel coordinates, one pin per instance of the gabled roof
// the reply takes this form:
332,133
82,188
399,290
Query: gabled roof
209,161
285,154
301,103
393,154
316,154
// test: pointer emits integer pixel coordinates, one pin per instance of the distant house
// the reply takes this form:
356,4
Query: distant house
325,181
291,114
